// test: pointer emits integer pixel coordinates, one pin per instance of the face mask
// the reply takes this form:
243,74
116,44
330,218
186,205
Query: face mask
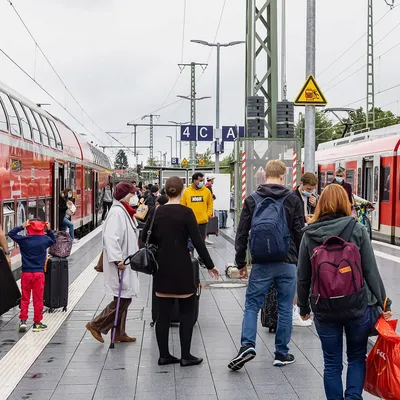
305,193
339,179
200,184
133,201
70,196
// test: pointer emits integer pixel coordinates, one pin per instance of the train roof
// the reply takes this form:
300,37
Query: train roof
381,145
356,137
74,145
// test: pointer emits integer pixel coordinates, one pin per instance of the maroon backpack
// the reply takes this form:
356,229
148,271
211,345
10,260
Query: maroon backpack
62,247
338,289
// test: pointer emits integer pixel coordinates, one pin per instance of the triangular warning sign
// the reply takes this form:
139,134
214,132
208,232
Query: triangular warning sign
310,94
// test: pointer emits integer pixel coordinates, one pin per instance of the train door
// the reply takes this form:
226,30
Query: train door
95,198
58,187
368,174
376,191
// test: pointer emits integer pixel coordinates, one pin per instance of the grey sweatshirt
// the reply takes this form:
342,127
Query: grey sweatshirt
314,235
107,196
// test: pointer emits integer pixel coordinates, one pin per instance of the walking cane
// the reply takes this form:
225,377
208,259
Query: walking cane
121,281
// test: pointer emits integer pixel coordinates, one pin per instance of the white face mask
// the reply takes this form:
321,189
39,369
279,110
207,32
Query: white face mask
134,200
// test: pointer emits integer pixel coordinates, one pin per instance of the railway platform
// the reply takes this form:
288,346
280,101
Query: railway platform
66,362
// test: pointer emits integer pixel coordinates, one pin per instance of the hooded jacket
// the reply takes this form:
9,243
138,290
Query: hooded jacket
314,235
294,217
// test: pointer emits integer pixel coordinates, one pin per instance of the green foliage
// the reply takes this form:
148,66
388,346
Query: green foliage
382,119
152,162
206,156
121,160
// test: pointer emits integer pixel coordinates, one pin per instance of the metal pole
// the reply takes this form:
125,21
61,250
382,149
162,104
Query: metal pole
217,104
309,139
134,143
283,51
176,141
193,111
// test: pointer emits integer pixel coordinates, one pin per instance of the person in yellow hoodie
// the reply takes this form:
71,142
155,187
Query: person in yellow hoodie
199,199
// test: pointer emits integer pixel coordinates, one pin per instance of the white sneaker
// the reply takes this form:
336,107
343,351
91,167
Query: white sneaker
75,241
209,242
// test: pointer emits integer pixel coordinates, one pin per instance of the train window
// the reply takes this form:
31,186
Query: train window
3,118
21,212
359,182
12,115
26,130
56,134
32,208
8,222
88,179
50,133
385,184
329,177
376,180
34,126
42,209
350,177
42,129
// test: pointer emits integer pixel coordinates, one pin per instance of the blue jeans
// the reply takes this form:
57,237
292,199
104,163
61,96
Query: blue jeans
331,336
261,277
68,225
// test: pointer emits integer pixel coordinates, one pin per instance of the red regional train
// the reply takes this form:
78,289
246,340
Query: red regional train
372,164
39,157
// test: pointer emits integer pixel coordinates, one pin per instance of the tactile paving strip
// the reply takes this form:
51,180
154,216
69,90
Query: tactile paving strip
15,364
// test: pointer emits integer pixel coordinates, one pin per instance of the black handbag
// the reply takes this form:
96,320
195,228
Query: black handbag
144,260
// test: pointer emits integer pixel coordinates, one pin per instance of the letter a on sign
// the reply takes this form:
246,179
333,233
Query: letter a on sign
310,94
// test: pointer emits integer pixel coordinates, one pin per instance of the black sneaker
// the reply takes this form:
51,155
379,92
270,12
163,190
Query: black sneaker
245,354
281,361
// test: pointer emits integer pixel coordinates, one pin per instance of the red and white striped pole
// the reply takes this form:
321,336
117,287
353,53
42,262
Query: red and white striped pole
243,177
294,173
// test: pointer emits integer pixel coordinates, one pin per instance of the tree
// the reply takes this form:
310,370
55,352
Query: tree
152,162
325,130
382,119
121,160
206,156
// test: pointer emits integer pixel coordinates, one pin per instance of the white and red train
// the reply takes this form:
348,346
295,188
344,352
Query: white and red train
372,166
39,157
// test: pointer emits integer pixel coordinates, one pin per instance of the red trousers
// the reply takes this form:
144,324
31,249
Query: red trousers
32,281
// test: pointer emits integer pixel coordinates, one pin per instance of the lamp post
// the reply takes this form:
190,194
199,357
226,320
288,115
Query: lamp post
170,137
176,138
193,122
217,97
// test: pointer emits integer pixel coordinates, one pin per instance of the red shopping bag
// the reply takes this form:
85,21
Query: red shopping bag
383,362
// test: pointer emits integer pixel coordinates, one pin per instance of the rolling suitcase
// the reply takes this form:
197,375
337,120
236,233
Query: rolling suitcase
212,226
269,313
175,309
57,284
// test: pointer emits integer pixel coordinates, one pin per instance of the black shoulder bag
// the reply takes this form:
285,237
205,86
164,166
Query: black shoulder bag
144,260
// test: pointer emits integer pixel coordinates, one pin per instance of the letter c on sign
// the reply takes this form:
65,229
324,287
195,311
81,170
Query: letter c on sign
201,132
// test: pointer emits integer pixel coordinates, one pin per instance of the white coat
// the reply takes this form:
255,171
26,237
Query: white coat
120,240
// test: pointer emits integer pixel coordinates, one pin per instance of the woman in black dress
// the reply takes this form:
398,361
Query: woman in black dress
173,225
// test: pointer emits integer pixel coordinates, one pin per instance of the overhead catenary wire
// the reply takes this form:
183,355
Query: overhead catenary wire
348,49
37,46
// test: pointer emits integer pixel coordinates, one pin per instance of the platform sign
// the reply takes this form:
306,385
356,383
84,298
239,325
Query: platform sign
188,133
184,163
205,133
310,94
229,133
174,161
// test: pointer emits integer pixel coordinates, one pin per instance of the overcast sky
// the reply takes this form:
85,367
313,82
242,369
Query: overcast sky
119,58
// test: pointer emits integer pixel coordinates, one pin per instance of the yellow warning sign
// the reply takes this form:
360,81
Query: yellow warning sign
202,162
184,163
311,94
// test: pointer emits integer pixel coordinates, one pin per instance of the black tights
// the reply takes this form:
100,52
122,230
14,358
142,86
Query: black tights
186,319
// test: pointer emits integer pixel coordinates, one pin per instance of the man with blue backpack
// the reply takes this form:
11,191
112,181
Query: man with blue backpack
274,215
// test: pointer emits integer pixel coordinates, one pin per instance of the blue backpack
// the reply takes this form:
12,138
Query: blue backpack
270,236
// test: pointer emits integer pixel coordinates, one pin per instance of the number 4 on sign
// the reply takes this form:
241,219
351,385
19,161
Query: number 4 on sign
188,133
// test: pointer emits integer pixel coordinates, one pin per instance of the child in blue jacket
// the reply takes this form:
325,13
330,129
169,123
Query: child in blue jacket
33,249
